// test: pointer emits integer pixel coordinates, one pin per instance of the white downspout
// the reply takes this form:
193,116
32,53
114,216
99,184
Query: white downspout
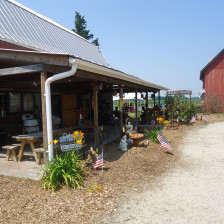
48,103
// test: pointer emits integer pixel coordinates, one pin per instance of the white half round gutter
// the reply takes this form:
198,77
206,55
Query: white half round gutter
48,103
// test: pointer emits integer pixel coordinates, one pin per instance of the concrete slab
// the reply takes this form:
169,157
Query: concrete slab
27,168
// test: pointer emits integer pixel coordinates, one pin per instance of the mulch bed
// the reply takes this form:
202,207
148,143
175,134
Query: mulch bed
23,200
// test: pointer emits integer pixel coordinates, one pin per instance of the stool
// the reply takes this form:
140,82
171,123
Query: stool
11,148
39,152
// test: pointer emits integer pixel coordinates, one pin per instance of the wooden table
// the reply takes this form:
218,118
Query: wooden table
29,138
32,138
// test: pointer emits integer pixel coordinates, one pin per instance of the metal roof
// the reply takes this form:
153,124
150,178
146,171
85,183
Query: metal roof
24,27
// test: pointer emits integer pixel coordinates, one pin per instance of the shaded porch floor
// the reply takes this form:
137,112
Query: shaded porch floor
28,168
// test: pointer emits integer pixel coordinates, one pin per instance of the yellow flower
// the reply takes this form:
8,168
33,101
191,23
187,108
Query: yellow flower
55,141
81,134
79,141
76,133
50,142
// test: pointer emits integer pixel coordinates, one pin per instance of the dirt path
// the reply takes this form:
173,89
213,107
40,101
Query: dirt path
192,192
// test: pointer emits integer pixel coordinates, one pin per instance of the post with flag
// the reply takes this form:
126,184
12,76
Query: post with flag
163,142
159,136
166,145
205,119
99,161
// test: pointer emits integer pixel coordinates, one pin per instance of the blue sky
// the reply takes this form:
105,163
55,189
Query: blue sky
166,42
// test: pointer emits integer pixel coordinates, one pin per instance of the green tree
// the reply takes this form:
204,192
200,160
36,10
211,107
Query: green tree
81,28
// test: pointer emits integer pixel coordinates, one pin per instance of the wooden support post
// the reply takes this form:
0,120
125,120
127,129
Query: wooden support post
147,107
136,106
95,111
190,98
43,78
121,105
159,96
154,94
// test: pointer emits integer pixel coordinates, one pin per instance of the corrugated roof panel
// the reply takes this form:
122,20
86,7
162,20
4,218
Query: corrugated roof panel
25,27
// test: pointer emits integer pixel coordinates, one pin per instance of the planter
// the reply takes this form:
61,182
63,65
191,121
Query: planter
136,137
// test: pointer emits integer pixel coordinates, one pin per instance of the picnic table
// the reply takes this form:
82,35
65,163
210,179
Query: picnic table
34,137
28,138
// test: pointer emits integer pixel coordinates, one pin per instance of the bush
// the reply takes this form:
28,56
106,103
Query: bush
63,170
213,104
186,110
180,108
151,134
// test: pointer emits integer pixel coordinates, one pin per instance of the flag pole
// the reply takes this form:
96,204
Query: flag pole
102,160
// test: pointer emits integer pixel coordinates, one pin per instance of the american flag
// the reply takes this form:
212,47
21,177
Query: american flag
166,145
160,137
206,119
99,162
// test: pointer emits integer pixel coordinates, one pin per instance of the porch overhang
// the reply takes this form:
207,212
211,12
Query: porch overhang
24,62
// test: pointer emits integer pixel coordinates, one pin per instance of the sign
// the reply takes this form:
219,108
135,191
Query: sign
70,147
66,140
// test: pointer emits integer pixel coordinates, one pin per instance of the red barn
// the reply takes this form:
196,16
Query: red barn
212,76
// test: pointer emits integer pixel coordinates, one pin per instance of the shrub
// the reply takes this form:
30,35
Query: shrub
180,108
151,134
186,110
63,170
213,104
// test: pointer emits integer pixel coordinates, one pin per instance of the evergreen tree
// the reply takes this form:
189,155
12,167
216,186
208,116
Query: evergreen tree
80,28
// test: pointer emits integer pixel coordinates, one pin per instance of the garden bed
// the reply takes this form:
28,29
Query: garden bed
23,201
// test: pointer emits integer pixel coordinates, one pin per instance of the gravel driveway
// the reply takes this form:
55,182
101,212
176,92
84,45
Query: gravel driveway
191,192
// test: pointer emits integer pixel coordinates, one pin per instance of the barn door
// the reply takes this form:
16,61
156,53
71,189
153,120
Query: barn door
69,104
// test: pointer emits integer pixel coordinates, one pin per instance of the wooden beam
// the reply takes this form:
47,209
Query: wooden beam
32,69
95,110
154,94
34,57
121,105
43,78
159,97
55,69
94,76
21,70
136,107
147,107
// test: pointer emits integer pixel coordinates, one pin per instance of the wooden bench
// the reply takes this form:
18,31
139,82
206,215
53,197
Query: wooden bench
11,148
39,152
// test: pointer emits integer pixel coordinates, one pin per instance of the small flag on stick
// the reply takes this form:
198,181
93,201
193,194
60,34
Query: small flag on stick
206,119
163,142
99,162
193,119
166,145
160,137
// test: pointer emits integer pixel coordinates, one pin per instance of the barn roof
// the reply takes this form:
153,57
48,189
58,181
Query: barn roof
24,27
203,70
